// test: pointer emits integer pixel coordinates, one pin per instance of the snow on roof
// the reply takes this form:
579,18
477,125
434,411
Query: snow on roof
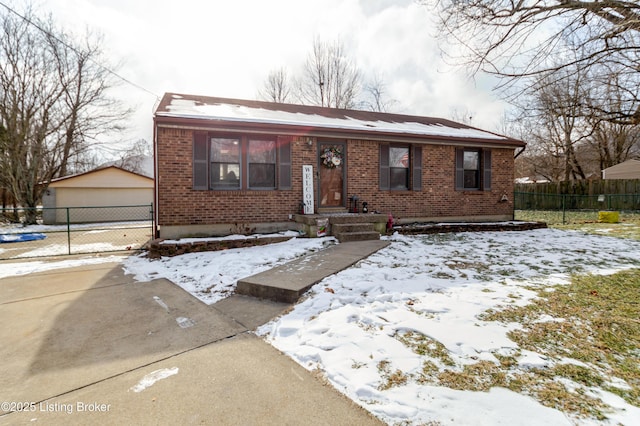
243,111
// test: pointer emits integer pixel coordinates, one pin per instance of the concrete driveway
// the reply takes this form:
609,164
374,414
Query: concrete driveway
90,345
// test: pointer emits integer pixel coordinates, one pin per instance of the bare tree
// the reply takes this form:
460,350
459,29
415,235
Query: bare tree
30,92
464,116
515,39
614,143
52,102
89,112
539,163
277,87
375,92
567,123
330,78
134,158
556,126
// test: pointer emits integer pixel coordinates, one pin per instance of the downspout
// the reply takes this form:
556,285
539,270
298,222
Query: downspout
155,179
513,213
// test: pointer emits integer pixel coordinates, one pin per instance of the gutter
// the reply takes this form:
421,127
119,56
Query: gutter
155,179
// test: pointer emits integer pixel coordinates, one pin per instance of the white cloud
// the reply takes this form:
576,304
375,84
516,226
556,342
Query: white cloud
227,49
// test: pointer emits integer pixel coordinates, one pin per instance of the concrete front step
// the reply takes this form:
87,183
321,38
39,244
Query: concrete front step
308,223
345,237
286,283
332,210
341,228
357,218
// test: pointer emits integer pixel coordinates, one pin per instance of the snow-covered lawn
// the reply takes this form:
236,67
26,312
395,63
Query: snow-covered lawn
361,327
212,276
381,330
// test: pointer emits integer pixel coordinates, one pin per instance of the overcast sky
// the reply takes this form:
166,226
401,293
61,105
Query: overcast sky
227,48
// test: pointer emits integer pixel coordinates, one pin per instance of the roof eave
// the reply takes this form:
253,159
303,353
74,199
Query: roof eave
328,132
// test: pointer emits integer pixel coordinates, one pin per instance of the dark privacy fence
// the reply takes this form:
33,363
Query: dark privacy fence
583,187
539,201
577,201
74,230
573,208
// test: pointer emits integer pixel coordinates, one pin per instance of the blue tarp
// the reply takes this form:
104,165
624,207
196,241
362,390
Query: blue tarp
19,238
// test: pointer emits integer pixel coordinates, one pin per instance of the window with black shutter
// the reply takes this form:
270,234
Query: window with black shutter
416,161
486,166
200,161
384,167
223,162
400,167
284,162
473,169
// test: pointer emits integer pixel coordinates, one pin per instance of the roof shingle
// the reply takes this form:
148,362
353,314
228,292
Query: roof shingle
314,120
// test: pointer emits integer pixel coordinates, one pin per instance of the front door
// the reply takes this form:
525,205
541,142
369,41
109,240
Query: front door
331,166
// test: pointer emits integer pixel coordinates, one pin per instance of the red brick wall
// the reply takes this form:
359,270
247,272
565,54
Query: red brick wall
179,204
438,197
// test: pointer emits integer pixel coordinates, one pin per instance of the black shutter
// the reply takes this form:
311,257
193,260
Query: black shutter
486,166
284,162
417,168
200,161
384,167
459,168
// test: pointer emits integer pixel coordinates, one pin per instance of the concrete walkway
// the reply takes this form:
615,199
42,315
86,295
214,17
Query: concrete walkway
288,282
90,345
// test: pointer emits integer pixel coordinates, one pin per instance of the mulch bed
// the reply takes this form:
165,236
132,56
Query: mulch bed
437,228
158,248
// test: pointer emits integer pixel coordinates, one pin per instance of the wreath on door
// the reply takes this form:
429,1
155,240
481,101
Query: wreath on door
331,158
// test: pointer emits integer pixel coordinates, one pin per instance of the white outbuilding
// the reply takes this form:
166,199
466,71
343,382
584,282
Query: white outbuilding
629,169
100,195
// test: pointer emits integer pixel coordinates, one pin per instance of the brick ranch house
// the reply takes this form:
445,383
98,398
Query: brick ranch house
227,166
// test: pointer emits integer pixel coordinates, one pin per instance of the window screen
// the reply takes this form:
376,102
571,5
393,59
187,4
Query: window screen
225,163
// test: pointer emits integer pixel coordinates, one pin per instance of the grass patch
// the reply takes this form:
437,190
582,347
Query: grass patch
507,361
424,345
579,374
589,330
596,320
585,221
556,395
429,373
480,376
390,378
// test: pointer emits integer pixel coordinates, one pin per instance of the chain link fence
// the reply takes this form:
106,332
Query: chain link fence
570,209
73,230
